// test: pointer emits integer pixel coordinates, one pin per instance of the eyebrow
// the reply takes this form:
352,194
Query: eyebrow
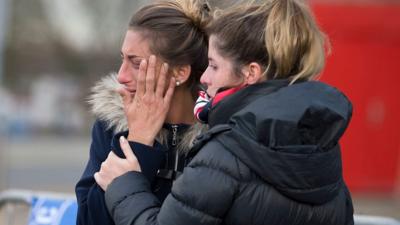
132,56
210,59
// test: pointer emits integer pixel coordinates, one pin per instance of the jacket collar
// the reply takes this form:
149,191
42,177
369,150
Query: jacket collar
222,111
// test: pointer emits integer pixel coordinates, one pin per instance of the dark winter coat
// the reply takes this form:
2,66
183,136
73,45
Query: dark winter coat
107,106
271,157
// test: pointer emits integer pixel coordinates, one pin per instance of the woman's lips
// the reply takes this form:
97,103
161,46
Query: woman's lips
131,90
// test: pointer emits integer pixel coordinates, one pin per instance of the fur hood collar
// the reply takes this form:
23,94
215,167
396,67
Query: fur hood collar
106,105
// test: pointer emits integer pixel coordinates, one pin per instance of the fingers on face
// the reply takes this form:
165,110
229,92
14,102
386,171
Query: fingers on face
148,82
126,96
151,74
162,80
141,80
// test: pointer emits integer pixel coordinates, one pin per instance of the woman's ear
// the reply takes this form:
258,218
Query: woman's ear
181,73
253,73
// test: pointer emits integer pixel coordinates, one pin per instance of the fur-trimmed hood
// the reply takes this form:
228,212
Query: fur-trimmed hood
106,105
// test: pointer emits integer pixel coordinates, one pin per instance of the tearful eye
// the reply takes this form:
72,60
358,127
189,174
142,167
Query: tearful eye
135,63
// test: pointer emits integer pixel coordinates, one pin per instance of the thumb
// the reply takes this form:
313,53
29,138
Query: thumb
126,149
126,96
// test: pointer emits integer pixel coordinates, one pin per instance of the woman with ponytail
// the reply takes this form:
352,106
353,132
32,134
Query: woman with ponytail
272,153
165,32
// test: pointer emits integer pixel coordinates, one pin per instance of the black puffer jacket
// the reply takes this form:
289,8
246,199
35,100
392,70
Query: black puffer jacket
271,157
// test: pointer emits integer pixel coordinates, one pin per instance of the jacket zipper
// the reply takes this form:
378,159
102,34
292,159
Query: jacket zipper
174,143
174,135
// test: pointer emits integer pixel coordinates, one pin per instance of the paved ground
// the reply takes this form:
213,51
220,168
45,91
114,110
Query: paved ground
45,163
56,163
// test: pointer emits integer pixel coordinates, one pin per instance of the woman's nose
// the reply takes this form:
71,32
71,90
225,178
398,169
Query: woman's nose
124,74
204,78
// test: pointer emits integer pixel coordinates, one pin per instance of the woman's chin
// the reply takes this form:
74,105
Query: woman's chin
211,93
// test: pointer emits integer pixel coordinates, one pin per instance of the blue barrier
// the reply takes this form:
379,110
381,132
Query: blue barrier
46,208
48,211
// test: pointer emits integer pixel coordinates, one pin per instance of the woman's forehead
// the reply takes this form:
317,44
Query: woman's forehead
135,45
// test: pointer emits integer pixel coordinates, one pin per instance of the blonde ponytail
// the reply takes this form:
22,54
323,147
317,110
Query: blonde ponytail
281,35
294,43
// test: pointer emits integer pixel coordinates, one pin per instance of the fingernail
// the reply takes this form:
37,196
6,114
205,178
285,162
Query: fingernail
143,61
164,67
122,139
